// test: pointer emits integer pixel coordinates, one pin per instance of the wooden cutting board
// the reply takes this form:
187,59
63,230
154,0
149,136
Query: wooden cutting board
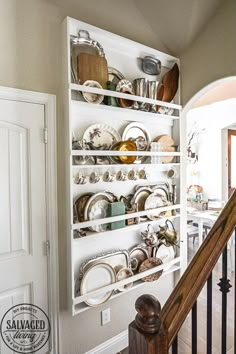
92,67
169,85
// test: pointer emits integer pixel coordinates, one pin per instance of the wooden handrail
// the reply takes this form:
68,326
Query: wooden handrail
167,322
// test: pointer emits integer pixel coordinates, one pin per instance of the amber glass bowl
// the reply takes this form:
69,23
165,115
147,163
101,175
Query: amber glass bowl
127,145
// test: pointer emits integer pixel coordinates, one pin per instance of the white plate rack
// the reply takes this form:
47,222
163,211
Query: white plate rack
79,116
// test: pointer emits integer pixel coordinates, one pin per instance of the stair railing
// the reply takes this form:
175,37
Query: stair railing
155,330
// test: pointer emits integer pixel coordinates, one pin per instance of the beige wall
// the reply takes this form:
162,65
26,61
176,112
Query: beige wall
30,42
212,55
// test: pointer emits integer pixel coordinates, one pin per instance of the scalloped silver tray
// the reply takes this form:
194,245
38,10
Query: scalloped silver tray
114,258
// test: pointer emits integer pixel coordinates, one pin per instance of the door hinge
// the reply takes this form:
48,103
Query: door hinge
45,135
47,248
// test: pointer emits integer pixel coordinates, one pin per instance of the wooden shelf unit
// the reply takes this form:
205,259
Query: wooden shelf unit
122,54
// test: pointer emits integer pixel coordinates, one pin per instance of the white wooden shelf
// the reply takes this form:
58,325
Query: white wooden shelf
126,281
121,153
81,306
127,228
85,224
125,114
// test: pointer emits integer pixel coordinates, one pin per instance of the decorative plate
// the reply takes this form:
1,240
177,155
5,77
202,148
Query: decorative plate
122,274
79,205
153,201
101,136
149,264
166,254
138,254
114,75
125,85
92,97
96,277
97,208
162,190
139,199
138,133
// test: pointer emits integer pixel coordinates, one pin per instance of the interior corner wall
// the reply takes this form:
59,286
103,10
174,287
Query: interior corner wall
30,42
212,55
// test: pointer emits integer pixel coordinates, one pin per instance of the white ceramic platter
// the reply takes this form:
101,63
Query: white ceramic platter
101,136
96,277
166,254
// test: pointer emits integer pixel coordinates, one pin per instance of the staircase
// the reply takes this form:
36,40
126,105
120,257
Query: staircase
155,330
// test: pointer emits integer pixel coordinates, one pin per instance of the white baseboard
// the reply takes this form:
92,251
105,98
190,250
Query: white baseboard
112,346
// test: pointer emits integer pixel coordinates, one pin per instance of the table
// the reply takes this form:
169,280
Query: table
200,216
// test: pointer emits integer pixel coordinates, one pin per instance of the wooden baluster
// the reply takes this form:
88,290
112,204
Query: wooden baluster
146,332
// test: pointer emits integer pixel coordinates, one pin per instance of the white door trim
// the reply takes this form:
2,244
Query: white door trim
49,102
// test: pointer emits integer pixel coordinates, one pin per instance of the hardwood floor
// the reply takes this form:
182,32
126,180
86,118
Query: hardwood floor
184,342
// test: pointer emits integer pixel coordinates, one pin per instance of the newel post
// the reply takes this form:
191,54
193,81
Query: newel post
146,332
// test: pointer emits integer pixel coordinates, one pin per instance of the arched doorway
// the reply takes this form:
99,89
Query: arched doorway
208,117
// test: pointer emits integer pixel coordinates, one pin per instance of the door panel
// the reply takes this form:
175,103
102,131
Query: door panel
15,216
23,260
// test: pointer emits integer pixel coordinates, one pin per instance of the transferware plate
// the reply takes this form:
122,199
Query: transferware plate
101,136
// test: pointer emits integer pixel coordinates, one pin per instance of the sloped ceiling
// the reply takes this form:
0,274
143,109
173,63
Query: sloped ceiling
174,23
178,22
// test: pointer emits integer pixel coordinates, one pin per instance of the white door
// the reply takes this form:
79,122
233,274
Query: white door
23,258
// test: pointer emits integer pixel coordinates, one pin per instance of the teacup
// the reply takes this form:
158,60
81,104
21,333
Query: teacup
94,178
108,177
132,175
121,176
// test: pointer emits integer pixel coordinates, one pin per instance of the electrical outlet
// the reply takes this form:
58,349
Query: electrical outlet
106,316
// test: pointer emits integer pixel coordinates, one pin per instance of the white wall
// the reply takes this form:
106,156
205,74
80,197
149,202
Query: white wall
30,42
212,55
212,163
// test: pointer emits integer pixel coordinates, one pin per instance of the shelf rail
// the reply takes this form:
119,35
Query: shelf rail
127,113
126,96
102,221
77,300
162,166
127,228
122,153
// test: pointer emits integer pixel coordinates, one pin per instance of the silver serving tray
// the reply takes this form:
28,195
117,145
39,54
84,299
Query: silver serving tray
114,258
